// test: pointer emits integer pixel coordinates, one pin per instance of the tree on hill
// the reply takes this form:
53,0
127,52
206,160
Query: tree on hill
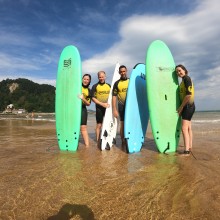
26,94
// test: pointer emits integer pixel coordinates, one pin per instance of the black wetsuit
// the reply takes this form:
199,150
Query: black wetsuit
87,95
187,88
120,90
100,91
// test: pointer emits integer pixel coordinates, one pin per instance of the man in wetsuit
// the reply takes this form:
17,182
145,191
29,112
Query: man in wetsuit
100,92
119,94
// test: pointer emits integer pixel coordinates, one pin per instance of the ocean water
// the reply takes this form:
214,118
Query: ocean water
37,181
206,117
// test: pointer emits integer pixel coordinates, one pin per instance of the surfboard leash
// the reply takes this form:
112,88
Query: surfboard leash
51,148
192,154
168,147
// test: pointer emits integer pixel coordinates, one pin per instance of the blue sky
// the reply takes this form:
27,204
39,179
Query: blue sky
34,32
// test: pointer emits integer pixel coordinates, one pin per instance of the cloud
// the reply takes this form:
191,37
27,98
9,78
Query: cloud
192,38
15,64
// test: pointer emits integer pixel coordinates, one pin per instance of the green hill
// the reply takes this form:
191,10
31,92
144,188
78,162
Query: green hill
24,93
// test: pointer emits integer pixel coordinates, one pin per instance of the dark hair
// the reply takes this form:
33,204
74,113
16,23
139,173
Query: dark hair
182,67
122,66
88,76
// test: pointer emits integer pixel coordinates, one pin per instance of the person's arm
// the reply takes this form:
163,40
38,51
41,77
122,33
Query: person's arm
85,101
103,104
184,102
114,107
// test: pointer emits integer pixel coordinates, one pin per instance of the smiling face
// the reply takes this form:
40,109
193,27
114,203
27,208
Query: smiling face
86,80
101,76
123,72
180,72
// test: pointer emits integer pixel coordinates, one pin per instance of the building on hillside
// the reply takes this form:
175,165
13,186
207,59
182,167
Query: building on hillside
9,108
21,111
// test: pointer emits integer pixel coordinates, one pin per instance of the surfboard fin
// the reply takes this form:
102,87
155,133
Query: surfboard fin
107,146
126,145
105,134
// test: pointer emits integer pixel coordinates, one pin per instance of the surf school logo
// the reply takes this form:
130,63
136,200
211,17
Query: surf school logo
67,63
190,89
165,69
103,92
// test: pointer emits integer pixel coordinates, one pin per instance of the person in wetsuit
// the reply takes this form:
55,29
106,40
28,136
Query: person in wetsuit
86,101
100,93
119,94
187,107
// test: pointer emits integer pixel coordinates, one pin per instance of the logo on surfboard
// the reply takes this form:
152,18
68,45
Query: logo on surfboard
67,63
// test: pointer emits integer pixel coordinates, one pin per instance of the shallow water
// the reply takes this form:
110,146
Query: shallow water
40,182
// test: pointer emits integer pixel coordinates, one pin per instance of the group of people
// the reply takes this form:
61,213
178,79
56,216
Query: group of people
99,95
101,90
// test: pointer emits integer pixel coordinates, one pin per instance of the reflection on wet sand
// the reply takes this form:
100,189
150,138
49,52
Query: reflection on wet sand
40,182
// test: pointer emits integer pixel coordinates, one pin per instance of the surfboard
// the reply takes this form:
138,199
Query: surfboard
163,96
136,110
109,125
68,106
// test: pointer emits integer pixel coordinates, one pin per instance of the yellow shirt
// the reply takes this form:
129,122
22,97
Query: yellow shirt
86,93
101,91
187,88
120,90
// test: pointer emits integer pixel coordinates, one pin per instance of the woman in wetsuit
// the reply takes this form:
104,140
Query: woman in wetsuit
187,107
86,100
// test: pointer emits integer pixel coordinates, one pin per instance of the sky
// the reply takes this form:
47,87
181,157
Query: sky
33,34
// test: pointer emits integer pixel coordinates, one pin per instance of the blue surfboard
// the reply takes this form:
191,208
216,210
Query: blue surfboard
136,110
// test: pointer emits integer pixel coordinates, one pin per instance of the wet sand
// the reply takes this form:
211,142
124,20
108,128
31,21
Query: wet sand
37,181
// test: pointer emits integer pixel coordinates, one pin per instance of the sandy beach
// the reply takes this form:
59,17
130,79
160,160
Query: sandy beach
37,181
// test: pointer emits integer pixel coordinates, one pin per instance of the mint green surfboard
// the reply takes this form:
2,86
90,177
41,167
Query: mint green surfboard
163,96
68,106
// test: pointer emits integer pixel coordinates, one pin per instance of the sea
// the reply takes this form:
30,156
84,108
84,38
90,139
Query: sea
38,181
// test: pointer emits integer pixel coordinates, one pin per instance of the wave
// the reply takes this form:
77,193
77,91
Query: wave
214,121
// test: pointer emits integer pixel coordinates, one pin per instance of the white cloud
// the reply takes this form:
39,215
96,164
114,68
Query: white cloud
15,64
192,38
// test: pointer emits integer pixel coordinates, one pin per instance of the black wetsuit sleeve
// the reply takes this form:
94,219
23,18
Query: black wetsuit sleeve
89,95
188,85
115,89
93,91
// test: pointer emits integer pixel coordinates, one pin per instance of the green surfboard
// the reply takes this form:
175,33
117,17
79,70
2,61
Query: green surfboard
68,106
163,97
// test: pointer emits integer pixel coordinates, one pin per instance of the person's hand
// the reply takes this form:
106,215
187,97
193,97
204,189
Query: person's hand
106,105
80,96
115,113
179,110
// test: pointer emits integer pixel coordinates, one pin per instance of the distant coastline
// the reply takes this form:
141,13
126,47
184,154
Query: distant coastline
26,115
33,115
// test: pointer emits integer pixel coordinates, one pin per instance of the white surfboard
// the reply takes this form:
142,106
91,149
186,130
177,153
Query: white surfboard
109,126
